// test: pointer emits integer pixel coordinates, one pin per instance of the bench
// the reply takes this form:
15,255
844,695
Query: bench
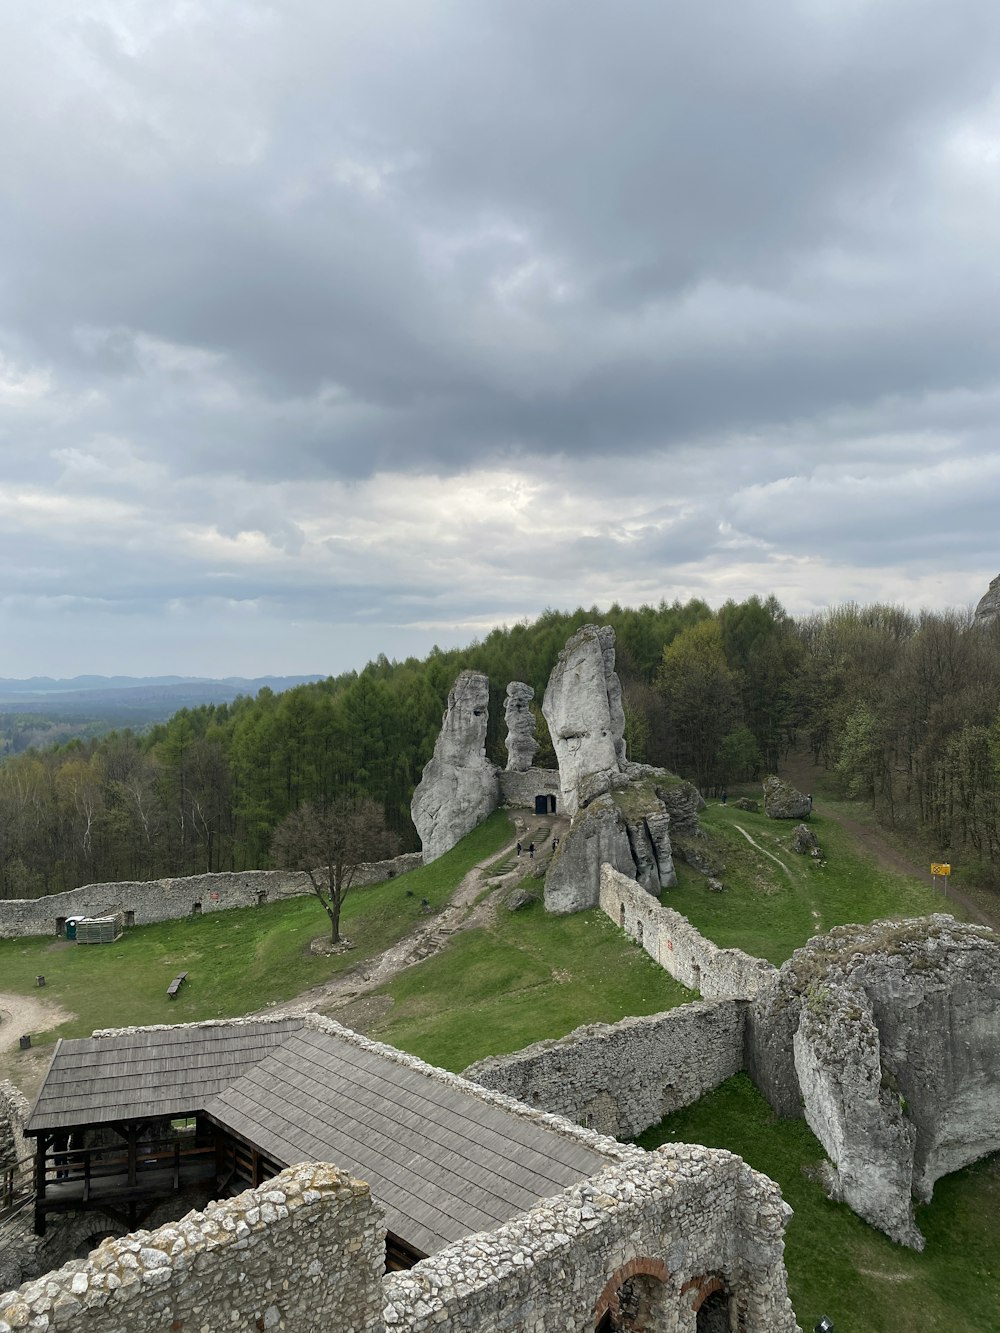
175,985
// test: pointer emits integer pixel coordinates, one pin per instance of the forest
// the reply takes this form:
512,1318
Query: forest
903,707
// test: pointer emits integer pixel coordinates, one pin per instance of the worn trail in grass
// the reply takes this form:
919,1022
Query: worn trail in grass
771,912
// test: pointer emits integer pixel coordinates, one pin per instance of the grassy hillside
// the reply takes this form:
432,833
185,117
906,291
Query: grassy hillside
776,899
525,977
236,961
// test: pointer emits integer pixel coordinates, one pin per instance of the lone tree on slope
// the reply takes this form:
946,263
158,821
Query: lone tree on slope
329,842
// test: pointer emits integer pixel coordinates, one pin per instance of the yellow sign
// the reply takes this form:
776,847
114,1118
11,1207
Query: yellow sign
940,868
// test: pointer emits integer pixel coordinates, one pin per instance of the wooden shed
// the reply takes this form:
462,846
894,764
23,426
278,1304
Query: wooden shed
443,1162
100,929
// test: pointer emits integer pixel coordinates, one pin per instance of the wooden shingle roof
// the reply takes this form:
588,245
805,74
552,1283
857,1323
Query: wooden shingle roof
146,1074
442,1162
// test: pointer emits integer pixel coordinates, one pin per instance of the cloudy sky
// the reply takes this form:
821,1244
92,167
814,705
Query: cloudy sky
333,328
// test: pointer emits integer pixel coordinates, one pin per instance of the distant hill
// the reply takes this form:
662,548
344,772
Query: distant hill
206,688
41,711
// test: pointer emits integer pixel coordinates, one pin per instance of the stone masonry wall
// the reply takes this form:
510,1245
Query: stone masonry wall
686,1219
520,789
14,1147
671,940
169,899
303,1252
621,1078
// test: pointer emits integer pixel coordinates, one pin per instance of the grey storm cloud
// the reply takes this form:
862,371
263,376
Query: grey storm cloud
264,268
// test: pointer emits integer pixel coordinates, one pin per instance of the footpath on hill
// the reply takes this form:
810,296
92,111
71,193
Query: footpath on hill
801,772
472,904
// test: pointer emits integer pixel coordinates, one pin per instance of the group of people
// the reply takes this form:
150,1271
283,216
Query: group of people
531,848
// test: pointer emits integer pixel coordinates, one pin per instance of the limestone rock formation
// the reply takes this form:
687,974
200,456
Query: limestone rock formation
895,1033
630,830
782,801
988,609
459,787
521,743
597,835
683,802
805,842
583,709
745,803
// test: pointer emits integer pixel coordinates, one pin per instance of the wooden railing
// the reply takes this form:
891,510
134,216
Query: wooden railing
71,1166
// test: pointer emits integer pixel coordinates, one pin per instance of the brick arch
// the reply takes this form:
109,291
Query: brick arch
703,1287
643,1266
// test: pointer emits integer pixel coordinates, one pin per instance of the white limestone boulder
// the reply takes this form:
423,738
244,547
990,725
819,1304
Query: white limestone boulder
459,787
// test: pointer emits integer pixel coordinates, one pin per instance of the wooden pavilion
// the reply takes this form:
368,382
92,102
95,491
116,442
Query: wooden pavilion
123,1122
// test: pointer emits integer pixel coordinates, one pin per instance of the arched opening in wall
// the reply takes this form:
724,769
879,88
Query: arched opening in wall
696,977
636,1299
261,897
129,917
92,1241
713,1313
552,805
196,909
638,931
541,804
60,925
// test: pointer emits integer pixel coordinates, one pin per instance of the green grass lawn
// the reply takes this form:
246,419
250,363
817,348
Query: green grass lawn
770,910
527,977
237,960
837,1264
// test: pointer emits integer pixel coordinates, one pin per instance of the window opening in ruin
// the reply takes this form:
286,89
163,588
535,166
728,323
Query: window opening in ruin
713,1316
261,897
60,925
196,909
130,918
696,982
638,931
621,916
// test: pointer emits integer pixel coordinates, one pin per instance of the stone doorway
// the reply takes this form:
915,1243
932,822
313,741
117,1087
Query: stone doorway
713,1314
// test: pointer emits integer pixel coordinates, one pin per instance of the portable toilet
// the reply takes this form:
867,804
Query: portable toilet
71,927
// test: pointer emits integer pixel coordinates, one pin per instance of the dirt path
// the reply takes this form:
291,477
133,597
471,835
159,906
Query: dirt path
21,1014
803,773
474,903
776,859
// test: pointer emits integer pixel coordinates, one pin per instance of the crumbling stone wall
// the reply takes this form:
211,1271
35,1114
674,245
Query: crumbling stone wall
671,940
304,1251
520,789
14,1147
691,1219
169,899
621,1078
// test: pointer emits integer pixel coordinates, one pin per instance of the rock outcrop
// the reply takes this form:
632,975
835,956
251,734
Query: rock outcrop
782,801
597,835
459,787
583,709
805,842
627,828
521,743
988,609
895,1039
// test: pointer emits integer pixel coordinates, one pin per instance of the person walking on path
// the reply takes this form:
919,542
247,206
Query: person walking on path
531,850
519,849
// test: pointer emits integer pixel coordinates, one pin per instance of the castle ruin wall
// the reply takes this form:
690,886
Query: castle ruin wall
684,1220
678,946
170,899
619,1079
520,789
304,1251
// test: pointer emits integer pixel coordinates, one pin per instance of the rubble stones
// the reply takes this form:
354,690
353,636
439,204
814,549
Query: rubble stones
583,709
805,842
459,787
521,743
745,803
782,801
